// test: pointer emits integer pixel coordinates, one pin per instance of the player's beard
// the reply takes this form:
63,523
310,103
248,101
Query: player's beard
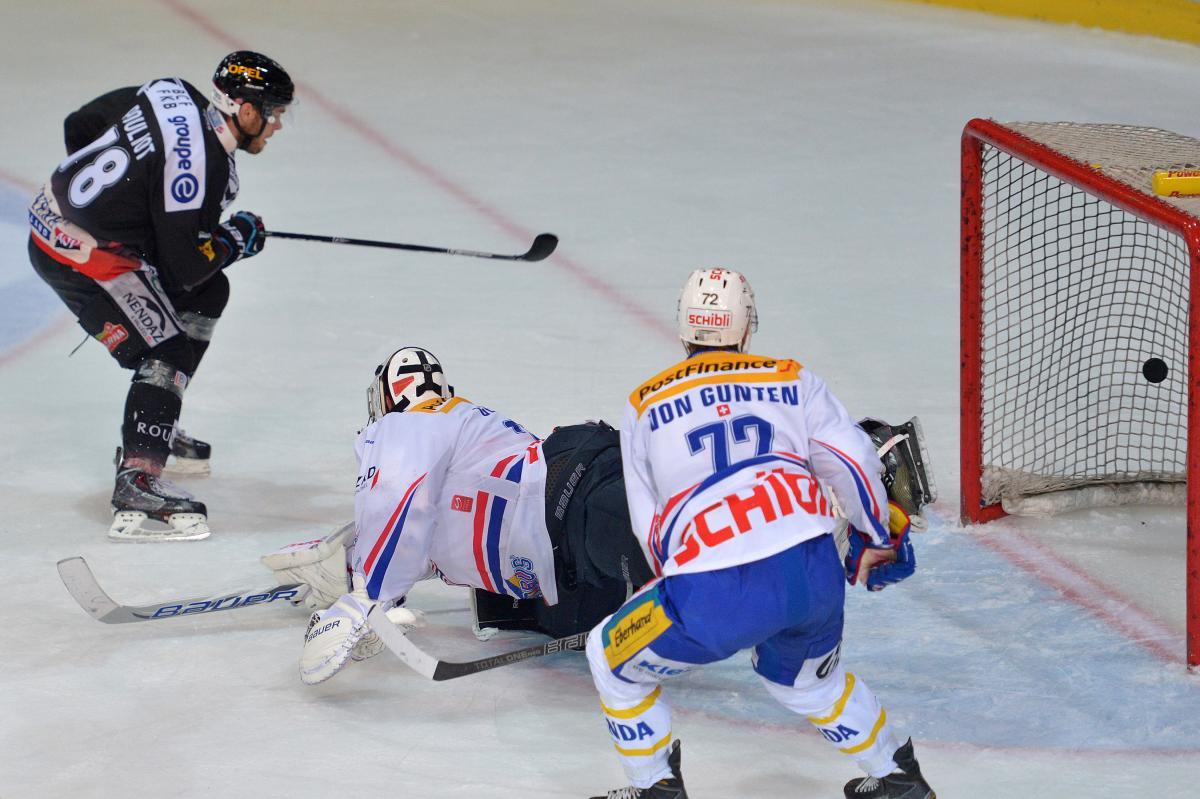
256,144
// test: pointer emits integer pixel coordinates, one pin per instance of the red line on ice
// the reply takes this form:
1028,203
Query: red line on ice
1086,591
20,183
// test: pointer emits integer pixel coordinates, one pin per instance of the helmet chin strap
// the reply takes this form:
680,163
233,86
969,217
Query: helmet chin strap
247,137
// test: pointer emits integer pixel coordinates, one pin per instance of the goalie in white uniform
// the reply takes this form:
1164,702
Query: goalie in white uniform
452,489
727,457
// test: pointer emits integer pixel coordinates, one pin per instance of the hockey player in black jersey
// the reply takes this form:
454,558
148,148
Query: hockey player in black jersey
128,232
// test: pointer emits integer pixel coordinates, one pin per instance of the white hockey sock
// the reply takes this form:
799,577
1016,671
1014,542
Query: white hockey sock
641,735
854,722
638,719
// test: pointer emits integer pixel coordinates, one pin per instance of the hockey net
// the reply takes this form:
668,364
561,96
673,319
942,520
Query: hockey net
1077,335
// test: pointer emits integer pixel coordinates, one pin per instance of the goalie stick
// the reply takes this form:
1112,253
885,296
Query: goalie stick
428,666
81,583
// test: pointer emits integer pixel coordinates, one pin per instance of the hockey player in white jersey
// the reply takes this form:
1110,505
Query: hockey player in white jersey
727,457
450,488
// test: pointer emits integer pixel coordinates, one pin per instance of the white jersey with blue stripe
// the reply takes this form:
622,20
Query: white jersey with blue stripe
727,458
455,489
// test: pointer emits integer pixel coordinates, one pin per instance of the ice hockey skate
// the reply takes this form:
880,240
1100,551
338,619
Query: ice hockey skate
907,783
140,497
669,788
189,456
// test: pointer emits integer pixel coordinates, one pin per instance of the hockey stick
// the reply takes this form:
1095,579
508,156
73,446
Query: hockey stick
79,580
428,666
543,245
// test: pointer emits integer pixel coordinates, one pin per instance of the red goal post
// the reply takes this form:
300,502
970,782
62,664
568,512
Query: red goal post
1079,341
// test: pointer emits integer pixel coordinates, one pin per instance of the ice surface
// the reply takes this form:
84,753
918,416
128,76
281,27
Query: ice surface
814,146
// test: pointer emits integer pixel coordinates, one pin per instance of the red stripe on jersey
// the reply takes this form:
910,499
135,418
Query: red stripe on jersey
656,524
383,535
481,502
100,265
499,470
862,475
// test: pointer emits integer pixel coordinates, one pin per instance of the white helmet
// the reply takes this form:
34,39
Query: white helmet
410,375
716,309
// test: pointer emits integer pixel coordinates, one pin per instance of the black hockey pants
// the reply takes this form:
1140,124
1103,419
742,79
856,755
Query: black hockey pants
597,560
161,336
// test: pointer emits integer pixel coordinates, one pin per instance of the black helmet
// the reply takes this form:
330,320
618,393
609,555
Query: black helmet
249,77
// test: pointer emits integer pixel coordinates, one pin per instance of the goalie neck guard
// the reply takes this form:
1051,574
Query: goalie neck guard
410,375
716,309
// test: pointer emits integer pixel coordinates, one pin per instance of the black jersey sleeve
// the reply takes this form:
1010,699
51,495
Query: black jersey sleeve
83,126
186,252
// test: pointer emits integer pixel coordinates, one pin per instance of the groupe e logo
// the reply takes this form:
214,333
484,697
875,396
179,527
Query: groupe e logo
185,187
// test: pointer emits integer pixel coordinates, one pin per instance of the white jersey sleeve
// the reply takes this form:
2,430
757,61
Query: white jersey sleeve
402,462
844,459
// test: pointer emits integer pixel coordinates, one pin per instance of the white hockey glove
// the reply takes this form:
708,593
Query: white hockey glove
340,634
320,565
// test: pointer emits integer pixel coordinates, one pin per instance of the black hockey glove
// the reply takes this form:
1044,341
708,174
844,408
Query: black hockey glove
242,235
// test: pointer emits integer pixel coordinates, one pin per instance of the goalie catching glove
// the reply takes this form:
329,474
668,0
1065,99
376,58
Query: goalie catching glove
340,634
319,565
878,567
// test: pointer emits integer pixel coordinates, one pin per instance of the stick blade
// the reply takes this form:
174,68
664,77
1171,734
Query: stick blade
542,247
399,645
81,583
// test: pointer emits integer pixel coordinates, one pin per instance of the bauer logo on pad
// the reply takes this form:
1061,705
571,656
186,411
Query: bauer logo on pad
702,317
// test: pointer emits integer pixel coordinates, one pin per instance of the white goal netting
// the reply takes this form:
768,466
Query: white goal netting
1085,318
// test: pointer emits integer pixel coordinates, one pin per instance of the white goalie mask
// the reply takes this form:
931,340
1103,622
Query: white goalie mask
716,309
410,375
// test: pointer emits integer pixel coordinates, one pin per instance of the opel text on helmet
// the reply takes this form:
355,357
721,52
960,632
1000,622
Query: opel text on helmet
248,77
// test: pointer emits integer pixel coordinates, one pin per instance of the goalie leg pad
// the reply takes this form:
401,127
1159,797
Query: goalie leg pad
496,612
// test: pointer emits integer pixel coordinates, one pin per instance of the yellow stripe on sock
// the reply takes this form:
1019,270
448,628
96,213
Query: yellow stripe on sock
840,705
643,752
637,709
854,750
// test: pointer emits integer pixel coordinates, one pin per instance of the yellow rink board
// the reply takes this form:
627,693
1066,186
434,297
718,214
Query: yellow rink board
1166,19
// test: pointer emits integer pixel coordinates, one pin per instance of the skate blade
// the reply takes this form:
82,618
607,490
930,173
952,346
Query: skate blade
129,526
193,467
